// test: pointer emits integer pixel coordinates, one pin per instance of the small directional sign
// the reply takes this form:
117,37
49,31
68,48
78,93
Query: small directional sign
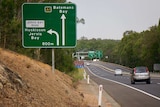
79,64
48,25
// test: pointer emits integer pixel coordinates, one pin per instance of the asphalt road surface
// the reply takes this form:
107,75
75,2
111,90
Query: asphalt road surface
120,88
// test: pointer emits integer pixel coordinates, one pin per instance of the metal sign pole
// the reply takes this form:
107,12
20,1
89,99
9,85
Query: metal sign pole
53,63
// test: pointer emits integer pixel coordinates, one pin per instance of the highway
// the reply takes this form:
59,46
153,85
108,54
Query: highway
119,88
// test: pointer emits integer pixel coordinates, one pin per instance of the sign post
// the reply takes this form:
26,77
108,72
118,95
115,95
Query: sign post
53,59
49,25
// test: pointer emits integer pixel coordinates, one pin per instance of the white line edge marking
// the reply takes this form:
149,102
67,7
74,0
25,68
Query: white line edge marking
155,97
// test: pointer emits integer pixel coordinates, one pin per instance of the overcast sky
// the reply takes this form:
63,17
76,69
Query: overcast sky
109,19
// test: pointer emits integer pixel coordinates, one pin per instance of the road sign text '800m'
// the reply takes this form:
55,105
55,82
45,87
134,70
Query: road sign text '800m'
48,25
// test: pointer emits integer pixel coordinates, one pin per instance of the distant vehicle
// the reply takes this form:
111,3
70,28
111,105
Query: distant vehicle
88,64
118,72
140,74
95,60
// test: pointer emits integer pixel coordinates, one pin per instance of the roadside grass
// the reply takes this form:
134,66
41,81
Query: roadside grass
77,75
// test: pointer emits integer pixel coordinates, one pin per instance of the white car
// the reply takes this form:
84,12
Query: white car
88,64
118,72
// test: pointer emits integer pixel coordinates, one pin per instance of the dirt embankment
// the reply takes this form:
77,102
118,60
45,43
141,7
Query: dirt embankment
25,82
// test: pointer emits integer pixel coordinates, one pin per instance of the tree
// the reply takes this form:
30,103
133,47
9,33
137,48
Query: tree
106,46
7,13
140,49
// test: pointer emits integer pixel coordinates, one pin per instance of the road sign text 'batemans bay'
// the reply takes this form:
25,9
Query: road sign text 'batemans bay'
48,25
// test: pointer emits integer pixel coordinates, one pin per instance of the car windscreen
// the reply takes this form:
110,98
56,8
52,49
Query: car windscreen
141,70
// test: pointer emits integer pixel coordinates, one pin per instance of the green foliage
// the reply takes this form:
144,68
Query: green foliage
63,60
77,74
55,1
106,46
6,16
137,49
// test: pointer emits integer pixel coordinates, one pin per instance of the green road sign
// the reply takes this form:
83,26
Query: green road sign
95,54
91,54
99,54
48,25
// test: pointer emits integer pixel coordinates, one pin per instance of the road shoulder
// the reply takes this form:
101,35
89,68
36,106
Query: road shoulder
90,94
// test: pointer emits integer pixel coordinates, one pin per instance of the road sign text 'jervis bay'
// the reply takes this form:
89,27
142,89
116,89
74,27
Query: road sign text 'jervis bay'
48,25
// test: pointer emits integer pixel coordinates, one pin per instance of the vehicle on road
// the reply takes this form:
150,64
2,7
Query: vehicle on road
88,64
140,74
118,72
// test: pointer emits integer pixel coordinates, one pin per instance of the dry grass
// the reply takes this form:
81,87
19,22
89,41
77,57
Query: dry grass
44,88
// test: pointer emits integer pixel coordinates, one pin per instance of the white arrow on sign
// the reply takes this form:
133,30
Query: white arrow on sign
63,17
54,32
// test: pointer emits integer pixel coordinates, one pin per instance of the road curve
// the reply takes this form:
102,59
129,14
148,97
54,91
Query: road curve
125,96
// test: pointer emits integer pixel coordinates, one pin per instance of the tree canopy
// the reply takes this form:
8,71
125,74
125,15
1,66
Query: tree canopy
137,49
